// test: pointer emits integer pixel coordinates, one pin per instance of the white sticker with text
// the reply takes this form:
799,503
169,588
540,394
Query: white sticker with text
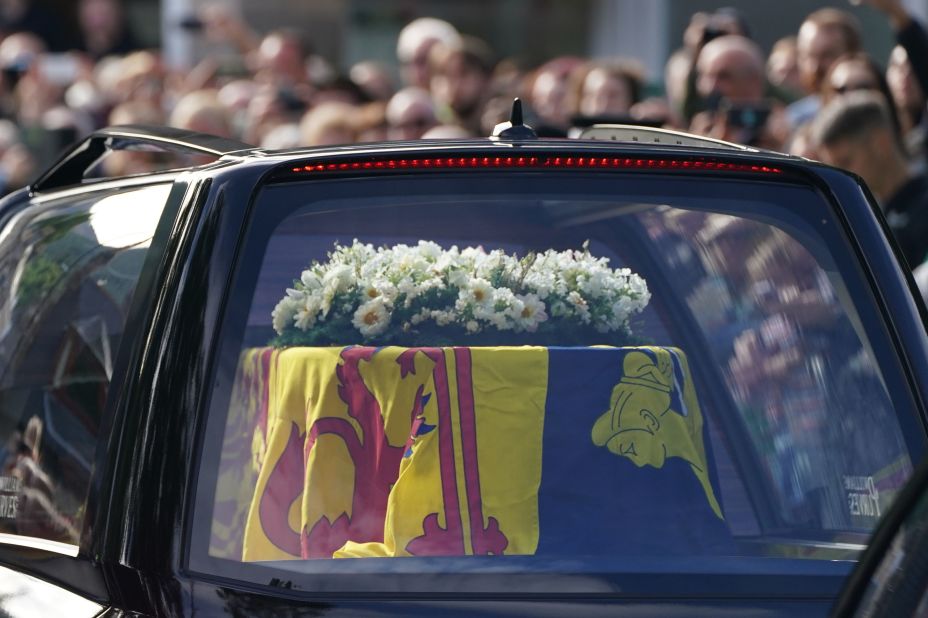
863,498
9,505
10,484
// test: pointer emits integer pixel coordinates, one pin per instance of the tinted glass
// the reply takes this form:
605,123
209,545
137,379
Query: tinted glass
899,585
67,270
546,377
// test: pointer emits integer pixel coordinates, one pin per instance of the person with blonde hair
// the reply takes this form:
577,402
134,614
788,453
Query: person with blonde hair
410,113
332,122
202,112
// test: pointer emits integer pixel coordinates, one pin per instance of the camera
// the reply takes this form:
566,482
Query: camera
746,120
753,116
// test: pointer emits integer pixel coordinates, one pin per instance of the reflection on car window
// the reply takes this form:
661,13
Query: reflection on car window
22,596
562,378
899,585
67,271
792,359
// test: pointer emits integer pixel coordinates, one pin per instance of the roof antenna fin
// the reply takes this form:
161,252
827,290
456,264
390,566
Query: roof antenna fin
514,129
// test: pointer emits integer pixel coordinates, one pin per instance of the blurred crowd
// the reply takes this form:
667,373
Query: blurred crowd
817,93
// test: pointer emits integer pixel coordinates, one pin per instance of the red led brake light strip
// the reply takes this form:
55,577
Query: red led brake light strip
545,162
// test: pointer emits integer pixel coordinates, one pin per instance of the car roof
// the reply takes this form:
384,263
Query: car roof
69,171
541,144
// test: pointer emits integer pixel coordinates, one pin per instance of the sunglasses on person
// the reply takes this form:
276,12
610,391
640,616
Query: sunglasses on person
845,88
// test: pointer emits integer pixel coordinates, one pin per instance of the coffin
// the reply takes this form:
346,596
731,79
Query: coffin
487,451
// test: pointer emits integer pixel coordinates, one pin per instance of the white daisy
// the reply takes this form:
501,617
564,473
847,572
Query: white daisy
372,317
479,293
531,314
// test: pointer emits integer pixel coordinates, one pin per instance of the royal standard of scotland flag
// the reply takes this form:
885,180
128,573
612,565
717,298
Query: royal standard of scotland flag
474,451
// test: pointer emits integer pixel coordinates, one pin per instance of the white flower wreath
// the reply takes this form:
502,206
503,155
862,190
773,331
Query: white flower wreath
391,294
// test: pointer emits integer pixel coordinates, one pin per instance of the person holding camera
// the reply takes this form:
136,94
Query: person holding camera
703,29
731,78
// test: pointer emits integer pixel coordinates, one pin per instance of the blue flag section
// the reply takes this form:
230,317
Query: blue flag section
626,470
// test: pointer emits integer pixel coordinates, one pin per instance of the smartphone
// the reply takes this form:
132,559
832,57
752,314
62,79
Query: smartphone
711,33
752,116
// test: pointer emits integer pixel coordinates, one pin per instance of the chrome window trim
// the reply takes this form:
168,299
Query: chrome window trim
32,542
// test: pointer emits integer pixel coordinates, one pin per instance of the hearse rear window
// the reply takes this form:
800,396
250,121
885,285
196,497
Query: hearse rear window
490,376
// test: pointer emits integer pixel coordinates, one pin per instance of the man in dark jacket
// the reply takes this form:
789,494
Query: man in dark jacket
855,132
